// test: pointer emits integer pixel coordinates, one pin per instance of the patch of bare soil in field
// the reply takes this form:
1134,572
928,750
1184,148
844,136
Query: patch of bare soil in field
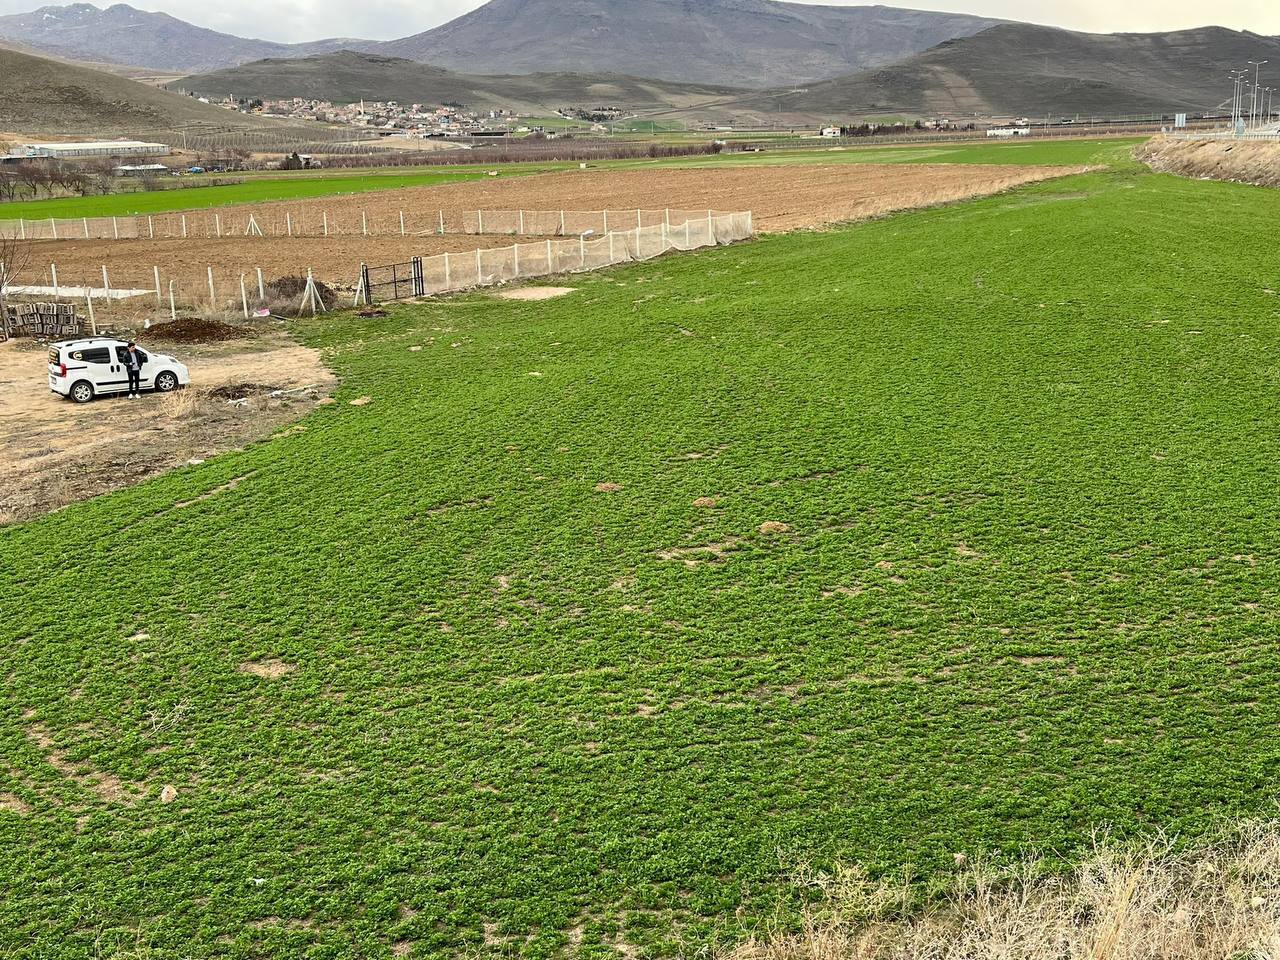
130,263
56,452
535,293
268,669
784,197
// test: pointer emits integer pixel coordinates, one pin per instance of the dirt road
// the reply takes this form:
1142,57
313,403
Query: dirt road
55,452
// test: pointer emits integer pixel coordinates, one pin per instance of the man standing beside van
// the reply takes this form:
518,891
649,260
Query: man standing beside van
133,365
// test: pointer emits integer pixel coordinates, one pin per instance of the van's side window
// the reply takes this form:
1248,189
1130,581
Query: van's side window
94,355
122,354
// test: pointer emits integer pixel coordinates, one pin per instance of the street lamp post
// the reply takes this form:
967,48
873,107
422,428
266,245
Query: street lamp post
1257,76
1236,76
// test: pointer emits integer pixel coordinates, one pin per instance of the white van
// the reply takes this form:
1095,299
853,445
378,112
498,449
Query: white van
84,369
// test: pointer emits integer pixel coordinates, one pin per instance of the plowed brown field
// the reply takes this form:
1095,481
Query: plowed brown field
780,197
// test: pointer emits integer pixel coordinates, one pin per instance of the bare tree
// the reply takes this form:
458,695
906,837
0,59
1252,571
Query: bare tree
14,257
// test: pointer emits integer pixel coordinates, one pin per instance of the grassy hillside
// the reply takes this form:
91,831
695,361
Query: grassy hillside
346,77
950,532
45,96
1024,70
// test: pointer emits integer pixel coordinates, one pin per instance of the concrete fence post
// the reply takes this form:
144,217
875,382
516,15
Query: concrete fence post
551,261
447,279
151,229
173,311
244,297
159,300
213,296
106,283
262,290
402,223
53,271
184,226
53,225
480,221
479,269
85,223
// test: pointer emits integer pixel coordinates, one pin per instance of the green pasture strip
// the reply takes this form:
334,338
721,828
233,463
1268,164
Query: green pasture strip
252,190
1114,152
991,557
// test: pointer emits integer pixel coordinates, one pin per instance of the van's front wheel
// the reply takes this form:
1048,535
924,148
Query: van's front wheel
167,382
82,391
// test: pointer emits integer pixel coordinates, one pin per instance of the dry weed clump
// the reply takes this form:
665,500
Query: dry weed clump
1213,900
179,404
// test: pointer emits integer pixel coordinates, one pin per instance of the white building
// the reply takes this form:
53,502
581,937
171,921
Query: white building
93,148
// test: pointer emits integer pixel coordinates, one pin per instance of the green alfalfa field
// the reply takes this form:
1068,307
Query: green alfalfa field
953,532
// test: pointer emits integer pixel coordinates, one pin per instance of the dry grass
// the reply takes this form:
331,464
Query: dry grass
179,404
1212,900
1240,161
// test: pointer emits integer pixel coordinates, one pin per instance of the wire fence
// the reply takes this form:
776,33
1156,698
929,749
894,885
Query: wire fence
276,221
451,272
218,289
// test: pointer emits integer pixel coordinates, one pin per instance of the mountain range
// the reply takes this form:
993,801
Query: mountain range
121,34
749,43
1007,70
1025,70
758,43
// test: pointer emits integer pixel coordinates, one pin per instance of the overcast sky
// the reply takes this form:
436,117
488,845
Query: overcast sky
292,20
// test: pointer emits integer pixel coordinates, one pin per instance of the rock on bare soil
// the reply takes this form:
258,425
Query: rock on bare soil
56,452
1233,160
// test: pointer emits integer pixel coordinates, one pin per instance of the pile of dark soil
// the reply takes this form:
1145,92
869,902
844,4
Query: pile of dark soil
291,289
197,330
239,391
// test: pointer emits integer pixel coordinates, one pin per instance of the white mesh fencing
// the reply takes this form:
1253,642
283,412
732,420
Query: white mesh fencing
451,272
311,221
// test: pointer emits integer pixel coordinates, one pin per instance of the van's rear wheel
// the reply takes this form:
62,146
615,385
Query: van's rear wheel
167,381
82,391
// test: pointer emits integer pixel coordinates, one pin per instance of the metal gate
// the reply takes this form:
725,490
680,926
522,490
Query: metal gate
396,281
